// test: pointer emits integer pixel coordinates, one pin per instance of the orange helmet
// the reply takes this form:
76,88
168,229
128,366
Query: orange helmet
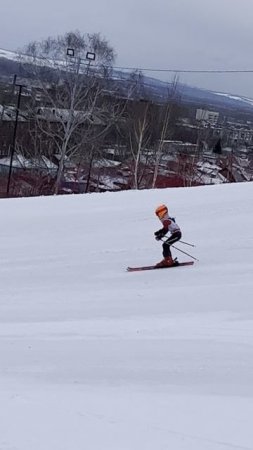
161,211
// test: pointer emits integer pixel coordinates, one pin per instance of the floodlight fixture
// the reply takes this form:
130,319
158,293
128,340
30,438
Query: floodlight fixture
70,52
90,56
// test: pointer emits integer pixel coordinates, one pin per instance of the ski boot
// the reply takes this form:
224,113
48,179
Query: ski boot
166,262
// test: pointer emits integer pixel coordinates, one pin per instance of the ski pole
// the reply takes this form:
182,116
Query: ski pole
187,243
184,252
180,250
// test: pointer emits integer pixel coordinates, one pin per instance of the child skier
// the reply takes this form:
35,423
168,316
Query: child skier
169,225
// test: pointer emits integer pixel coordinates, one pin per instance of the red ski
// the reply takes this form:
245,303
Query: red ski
138,269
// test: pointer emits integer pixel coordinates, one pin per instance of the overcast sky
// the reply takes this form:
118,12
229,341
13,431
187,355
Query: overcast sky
163,34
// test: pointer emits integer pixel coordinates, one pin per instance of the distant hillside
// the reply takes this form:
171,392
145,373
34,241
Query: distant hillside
157,89
206,97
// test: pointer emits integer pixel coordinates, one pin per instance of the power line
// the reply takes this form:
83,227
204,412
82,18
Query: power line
148,69
145,69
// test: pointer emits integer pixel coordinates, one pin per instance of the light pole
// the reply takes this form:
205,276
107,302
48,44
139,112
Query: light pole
90,56
13,145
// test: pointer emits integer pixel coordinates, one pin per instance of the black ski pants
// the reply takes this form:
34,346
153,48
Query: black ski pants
171,240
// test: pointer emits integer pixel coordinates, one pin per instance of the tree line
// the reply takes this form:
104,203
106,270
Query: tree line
76,108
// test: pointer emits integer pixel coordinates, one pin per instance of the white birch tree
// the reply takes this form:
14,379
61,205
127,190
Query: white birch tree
167,123
71,88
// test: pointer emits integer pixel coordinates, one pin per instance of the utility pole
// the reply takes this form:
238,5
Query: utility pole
13,145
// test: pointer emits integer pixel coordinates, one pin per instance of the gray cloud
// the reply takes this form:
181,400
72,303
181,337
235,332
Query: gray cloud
183,34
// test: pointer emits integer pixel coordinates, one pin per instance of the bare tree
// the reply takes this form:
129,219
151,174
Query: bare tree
167,122
71,89
139,132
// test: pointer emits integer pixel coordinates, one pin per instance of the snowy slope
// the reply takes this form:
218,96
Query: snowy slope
93,357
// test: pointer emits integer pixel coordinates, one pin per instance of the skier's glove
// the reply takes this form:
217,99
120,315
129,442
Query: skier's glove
159,234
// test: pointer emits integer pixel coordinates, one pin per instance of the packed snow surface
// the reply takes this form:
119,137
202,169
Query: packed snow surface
93,357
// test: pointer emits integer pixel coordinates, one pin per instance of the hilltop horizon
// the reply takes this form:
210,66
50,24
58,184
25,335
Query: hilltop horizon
174,35
190,93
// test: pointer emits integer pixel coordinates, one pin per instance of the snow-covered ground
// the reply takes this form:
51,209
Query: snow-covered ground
93,357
